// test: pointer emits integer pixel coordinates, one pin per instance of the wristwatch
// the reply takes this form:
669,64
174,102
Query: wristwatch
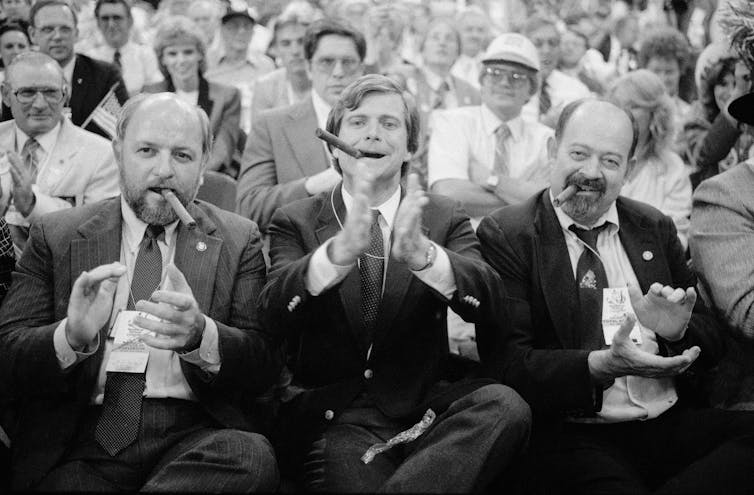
431,256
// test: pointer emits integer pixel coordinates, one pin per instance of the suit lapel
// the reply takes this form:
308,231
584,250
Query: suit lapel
197,254
299,130
204,99
78,84
556,274
640,245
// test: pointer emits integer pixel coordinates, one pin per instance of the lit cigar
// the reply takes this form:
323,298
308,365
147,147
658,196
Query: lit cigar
335,141
565,195
171,198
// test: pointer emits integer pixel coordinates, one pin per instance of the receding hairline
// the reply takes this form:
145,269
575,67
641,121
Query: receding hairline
157,99
584,107
35,63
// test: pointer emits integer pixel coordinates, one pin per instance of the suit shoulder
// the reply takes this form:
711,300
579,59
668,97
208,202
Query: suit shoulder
227,220
734,183
272,78
306,207
518,217
224,90
94,65
69,219
87,138
278,114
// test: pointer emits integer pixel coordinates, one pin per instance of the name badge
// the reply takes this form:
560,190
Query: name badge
129,354
616,304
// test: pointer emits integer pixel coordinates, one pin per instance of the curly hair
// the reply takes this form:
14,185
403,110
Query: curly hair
664,42
712,75
643,89
176,30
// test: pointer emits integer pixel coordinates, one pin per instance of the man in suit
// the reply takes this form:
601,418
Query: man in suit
54,30
54,164
361,279
116,385
283,160
610,415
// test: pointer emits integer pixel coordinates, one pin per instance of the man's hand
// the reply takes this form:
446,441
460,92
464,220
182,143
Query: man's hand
409,243
625,358
91,303
322,181
353,240
23,196
182,324
664,310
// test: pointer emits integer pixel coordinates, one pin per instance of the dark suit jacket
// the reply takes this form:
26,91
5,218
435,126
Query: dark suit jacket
542,358
222,105
226,278
280,154
326,352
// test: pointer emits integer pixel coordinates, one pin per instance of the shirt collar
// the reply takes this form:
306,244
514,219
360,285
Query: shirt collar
46,141
610,216
388,209
321,108
134,228
491,122
68,72
434,81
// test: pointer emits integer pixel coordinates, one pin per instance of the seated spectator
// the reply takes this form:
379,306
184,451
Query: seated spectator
181,52
13,40
615,404
575,59
658,177
385,25
715,81
488,156
283,160
666,52
556,89
291,82
137,62
16,10
54,164
206,14
54,30
474,26
238,66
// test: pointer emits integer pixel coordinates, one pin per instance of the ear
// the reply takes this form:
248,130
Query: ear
32,35
552,148
630,164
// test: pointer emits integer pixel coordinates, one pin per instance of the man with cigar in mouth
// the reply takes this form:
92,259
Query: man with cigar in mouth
361,279
609,372
130,342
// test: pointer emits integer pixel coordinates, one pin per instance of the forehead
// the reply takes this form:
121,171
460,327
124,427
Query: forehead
182,45
13,36
335,44
600,126
237,22
54,15
165,123
291,31
380,105
30,75
113,9
440,29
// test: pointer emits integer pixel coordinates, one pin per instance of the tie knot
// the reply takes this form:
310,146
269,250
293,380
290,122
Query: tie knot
502,132
30,146
589,237
375,216
156,232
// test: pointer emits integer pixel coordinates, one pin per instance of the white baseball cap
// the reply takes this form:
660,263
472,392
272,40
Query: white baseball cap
513,47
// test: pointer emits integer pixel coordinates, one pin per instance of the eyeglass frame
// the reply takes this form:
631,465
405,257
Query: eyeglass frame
41,91
496,75
329,67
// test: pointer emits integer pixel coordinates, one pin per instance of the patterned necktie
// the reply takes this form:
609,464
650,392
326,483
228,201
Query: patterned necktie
116,59
500,167
119,420
30,158
545,103
591,278
442,90
371,269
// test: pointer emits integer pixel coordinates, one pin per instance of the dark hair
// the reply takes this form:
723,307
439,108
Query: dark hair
371,84
571,108
20,26
713,75
40,4
664,42
323,27
124,3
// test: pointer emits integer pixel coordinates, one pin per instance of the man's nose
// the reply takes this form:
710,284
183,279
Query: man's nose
591,167
165,164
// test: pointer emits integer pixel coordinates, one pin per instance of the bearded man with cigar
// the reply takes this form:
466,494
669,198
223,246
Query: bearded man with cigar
609,372
131,348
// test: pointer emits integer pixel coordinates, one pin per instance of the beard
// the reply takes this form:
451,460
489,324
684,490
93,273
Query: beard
579,207
151,214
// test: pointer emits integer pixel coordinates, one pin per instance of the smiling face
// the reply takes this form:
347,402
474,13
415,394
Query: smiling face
11,44
378,125
668,70
440,46
181,60
41,114
161,148
505,88
592,154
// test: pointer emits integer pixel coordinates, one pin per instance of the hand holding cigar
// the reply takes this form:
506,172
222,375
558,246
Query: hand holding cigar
565,195
335,141
173,201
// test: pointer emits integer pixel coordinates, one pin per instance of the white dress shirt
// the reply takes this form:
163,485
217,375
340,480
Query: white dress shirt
139,65
434,81
164,376
562,88
630,397
468,68
322,273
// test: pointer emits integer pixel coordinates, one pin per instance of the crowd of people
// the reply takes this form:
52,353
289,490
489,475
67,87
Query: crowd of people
518,262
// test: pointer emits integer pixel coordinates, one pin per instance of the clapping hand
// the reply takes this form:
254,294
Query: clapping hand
663,309
354,238
409,242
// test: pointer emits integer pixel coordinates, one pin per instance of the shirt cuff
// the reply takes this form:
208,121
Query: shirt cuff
67,356
321,274
439,276
207,356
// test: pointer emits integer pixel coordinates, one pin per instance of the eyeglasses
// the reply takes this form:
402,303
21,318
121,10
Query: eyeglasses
64,30
327,64
497,75
27,95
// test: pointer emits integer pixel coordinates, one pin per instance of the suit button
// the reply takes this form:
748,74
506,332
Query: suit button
329,415
368,374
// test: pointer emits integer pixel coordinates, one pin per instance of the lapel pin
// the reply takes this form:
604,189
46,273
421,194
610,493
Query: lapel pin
79,80
201,247
647,255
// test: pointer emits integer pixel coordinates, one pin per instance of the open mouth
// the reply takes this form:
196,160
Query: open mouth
371,154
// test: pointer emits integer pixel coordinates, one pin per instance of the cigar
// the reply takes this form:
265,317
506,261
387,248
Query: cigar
171,198
565,195
335,141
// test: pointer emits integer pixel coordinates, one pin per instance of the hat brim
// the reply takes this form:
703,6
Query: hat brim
742,108
232,15
509,57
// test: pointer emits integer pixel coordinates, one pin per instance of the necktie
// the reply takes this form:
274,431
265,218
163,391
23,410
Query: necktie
371,269
591,278
116,59
500,166
545,103
119,419
442,90
29,156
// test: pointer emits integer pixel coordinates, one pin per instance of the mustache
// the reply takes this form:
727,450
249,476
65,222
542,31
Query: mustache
586,183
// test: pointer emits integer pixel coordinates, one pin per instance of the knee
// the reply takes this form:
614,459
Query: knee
256,459
507,404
